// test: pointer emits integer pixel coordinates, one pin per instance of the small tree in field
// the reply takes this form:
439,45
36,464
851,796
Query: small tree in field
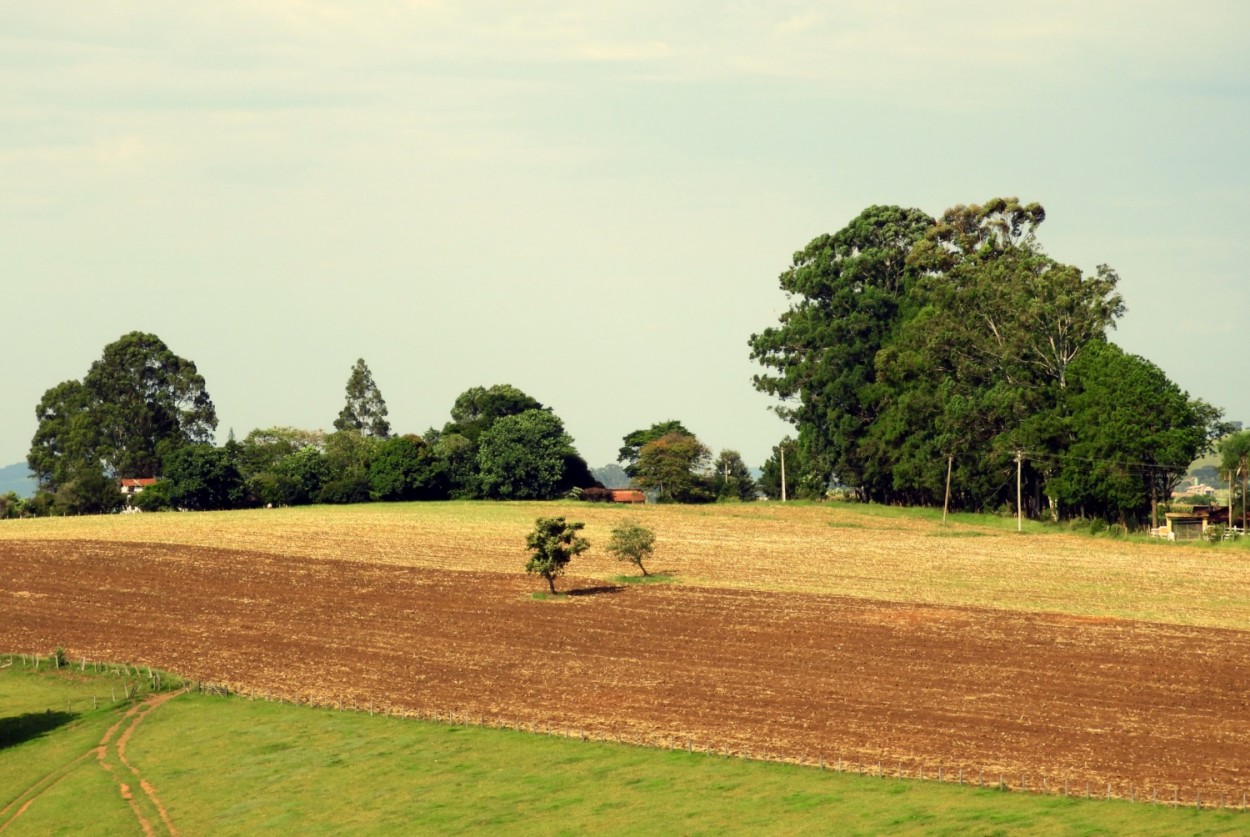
632,542
554,542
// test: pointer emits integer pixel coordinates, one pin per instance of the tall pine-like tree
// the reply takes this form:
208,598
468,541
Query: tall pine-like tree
365,409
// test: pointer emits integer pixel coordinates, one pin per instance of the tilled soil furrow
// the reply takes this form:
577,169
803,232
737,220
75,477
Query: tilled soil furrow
801,676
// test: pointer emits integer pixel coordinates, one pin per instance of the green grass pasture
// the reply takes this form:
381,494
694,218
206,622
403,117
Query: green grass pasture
50,724
234,766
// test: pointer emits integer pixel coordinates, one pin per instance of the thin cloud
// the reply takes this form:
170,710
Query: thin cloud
624,52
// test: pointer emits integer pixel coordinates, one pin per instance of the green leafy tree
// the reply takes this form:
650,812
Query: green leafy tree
732,478
405,468
847,291
456,446
996,226
263,448
67,436
477,408
11,506
915,345
90,491
365,409
40,505
552,544
1134,434
348,457
147,402
676,467
296,480
457,462
203,478
275,469
1235,461
503,444
1010,308
633,543
64,456
634,441
523,457
136,405
978,371
155,498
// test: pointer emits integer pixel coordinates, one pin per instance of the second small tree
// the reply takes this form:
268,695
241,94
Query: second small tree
553,543
632,542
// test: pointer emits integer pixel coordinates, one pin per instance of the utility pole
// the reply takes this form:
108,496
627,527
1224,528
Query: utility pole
1019,490
783,471
1230,498
946,504
1154,504
1243,470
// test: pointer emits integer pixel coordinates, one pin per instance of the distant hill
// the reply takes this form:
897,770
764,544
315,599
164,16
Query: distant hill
1204,467
17,478
612,476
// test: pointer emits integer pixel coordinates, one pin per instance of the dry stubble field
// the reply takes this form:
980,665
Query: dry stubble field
802,632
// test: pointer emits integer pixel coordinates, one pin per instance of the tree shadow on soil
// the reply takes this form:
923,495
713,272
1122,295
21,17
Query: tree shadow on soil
19,729
595,591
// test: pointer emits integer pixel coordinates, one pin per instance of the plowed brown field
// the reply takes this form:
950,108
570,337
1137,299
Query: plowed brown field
793,673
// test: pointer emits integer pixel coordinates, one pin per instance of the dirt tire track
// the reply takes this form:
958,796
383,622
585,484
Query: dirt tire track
102,754
135,715
50,780
151,704
44,784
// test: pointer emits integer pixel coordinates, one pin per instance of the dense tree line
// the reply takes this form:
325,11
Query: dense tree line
917,347
500,444
143,412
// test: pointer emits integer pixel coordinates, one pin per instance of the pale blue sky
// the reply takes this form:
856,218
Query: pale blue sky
589,201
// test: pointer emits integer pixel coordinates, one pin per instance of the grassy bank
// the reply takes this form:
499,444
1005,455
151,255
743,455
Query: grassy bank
234,766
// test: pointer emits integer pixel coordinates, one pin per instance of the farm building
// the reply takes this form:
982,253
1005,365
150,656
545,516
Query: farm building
131,486
1195,489
1183,526
613,495
1219,516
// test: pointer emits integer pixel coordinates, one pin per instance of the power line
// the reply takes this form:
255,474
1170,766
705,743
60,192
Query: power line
1127,463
